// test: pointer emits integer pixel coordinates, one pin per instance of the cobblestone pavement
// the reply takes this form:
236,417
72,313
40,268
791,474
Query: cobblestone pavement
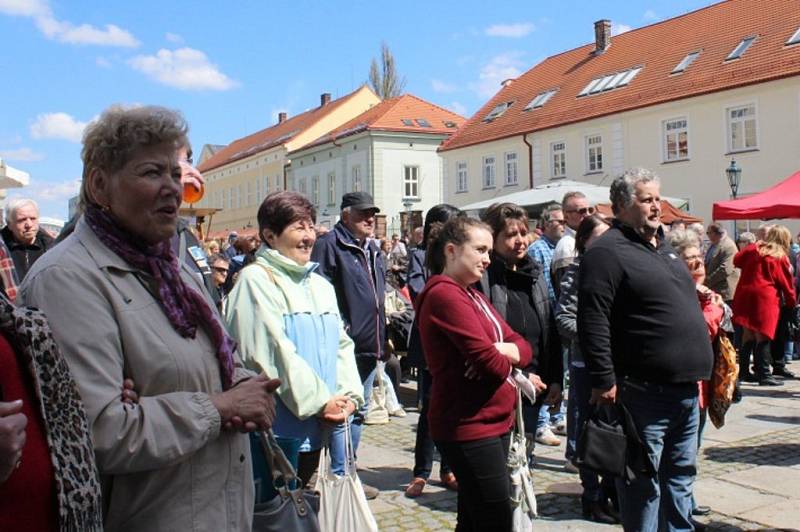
748,472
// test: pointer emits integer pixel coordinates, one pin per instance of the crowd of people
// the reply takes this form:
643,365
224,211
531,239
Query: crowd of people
138,362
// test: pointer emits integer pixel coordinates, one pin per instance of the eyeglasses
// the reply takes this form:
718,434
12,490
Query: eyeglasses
583,211
559,222
219,270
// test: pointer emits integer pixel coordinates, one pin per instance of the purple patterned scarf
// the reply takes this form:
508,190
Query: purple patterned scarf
184,306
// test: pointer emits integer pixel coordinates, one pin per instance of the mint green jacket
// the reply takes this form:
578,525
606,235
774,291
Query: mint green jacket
286,320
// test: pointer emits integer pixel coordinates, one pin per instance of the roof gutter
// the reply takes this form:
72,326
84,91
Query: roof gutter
530,158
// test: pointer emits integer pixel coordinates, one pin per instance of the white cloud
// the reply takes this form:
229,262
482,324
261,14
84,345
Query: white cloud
513,31
64,31
459,108
184,68
650,16
617,28
442,86
102,62
173,37
500,68
21,154
44,192
57,126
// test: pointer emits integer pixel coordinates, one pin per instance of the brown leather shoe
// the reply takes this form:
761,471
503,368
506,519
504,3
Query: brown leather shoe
414,489
449,481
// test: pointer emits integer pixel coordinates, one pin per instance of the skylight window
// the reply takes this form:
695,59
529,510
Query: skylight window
685,62
741,48
407,122
610,81
421,122
541,99
794,39
497,111
450,124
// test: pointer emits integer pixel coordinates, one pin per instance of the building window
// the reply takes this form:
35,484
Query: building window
742,128
251,199
266,186
511,169
239,196
741,48
676,139
461,176
610,81
301,186
225,199
258,190
332,188
540,99
558,152
488,172
594,153
794,39
356,173
411,181
685,62
315,190
278,184
498,111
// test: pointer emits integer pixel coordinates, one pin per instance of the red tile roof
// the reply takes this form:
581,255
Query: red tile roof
715,30
390,114
280,133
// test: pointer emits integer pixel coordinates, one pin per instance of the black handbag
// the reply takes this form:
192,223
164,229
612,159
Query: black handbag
293,509
610,445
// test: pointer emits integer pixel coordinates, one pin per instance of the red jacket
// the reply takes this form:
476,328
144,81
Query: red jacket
455,331
764,279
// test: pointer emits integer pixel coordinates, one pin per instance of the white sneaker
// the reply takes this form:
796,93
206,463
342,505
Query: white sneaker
545,436
561,428
398,413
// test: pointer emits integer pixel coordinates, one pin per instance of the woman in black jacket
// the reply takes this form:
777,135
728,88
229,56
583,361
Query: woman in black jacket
516,287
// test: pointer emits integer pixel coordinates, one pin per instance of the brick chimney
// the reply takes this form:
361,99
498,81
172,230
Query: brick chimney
324,99
602,36
281,117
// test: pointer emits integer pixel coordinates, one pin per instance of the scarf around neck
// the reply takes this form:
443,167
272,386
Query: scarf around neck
184,306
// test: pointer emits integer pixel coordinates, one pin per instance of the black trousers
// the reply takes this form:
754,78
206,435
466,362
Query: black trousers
484,488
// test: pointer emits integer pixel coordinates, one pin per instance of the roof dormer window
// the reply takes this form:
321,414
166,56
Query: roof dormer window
741,48
540,99
407,121
610,81
794,39
498,111
685,62
421,122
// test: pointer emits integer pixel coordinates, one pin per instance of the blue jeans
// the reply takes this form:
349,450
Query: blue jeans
667,418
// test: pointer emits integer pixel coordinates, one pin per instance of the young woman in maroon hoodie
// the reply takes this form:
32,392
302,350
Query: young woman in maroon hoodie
470,352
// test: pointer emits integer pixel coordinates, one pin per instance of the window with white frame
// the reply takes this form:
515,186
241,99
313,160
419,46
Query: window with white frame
225,199
266,186
356,174
675,133
239,196
558,155
332,188
259,197
511,168
411,181
488,172
461,176
315,190
594,153
301,186
251,198
742,133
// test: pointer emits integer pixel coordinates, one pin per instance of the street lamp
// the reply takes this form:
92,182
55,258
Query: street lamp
734,175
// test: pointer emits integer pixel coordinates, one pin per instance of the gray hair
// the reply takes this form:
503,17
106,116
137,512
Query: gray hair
680,239
747,237
110,141
717,228
15,204
572,194
623,188
547,212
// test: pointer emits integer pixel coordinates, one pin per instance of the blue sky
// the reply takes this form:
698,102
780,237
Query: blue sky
231,67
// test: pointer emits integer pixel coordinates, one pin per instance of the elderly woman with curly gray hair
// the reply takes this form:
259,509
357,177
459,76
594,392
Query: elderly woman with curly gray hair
122,305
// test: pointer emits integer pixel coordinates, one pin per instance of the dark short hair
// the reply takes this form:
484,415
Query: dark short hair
216,257
455,231
498,215
717,228
585,230
282,208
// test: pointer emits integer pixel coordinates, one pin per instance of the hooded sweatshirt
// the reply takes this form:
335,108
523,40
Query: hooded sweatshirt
456,332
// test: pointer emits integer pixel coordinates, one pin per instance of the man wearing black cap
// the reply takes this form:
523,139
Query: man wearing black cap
352,262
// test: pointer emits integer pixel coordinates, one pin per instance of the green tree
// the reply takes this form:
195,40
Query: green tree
383,76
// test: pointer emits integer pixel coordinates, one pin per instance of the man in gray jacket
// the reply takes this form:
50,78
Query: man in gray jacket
721,276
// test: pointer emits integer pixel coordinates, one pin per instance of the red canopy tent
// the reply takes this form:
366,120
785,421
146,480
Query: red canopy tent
779,201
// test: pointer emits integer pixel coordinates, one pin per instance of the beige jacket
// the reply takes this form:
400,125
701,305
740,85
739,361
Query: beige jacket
164,465
721,276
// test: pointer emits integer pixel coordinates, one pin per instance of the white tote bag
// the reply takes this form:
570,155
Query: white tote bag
523,500
342,504
377,410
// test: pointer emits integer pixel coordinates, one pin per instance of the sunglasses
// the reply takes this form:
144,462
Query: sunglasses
219,270
583,211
